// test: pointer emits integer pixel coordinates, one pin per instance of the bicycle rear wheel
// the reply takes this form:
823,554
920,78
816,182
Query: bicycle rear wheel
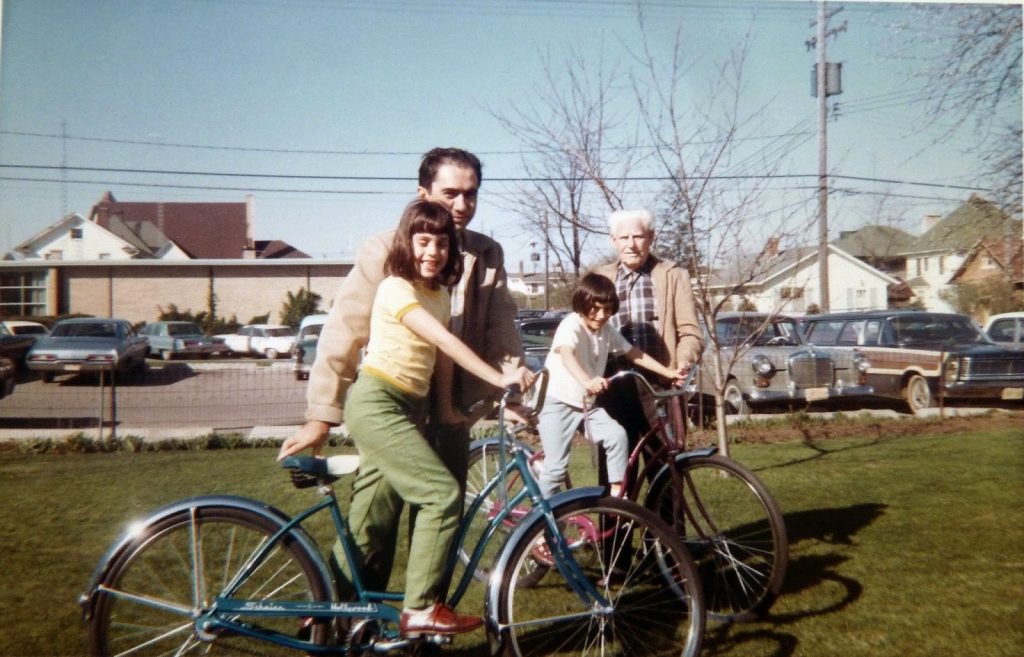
180,564
733,529
655,604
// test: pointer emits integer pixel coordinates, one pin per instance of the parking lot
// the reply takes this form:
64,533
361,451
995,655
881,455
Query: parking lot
214,395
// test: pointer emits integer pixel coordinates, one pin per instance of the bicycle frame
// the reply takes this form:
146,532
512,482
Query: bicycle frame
226,612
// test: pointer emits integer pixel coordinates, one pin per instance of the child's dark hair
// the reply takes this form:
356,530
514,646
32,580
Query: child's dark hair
595,289
424,217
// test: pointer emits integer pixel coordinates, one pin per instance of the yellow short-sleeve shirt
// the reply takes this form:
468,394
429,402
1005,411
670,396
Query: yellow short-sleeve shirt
394,353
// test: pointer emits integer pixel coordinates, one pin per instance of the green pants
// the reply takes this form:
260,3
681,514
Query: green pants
398,465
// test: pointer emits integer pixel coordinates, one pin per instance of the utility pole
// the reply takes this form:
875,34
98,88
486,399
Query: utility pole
547,276
827,82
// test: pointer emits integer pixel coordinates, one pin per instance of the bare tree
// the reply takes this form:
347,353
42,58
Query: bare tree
715,210
978,83
584,158
574,175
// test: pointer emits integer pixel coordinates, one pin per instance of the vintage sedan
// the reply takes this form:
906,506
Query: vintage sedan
536,335
88,345
8,370
268,340
178,339
304,350
916,356
1006,329
770,364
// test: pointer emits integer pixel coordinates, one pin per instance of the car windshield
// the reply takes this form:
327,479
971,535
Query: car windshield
85,330
279,332
311,332
184,329
538,334
756,331
933,328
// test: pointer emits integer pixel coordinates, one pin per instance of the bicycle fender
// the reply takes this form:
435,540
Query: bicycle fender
682,458
534,517
493,440
135,529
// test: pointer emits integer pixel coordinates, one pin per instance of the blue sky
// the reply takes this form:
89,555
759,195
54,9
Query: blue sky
294,89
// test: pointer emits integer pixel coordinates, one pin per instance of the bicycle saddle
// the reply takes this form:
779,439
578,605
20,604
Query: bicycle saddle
312,470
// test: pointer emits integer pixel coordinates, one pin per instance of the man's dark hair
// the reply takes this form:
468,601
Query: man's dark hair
436,157
424,217
595,289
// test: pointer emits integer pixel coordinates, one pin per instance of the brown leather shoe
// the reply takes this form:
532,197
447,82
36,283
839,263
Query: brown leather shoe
436,619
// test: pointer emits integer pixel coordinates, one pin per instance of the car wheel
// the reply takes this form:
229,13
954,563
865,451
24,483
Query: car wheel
734,399
48,377
271,353
918,394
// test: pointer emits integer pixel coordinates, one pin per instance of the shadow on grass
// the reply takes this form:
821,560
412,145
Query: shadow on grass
835,526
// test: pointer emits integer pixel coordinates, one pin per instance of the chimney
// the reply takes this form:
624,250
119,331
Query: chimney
771,247
249,248
929,222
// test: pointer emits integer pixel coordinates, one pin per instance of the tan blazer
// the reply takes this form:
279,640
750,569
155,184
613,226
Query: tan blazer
488,324
677,312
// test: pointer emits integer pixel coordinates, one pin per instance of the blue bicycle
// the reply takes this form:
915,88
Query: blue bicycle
229,575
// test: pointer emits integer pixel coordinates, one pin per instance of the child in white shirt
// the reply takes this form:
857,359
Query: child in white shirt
576,362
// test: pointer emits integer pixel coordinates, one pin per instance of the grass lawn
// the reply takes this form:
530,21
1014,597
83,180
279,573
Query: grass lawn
899,546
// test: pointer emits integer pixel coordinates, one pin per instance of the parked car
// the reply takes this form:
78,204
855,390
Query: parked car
916,355
1006,329
772,364
269,340
304,350
88,345
536,336
21,327
8,370
14,346
172,339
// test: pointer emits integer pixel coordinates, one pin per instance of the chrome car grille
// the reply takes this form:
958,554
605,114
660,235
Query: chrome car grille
808,370
992,368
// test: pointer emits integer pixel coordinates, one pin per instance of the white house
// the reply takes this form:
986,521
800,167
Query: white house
790,283
76,238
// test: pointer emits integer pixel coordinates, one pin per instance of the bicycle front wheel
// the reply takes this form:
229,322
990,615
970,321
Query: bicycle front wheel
178,565
636,562
733,529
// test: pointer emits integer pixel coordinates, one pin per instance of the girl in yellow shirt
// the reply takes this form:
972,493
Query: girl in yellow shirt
386,407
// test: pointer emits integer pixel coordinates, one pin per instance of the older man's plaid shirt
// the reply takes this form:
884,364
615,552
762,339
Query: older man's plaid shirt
637,318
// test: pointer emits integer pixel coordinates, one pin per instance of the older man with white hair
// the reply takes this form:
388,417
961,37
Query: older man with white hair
656,314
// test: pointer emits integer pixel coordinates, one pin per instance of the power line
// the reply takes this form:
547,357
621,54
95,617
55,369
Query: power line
308,151
284,176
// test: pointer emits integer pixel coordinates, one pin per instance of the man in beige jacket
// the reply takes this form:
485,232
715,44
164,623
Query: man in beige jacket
483,316
656,314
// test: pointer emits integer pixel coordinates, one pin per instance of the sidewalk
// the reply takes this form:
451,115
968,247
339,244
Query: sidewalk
283,431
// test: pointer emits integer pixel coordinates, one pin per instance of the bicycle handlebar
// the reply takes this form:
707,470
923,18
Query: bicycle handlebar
658,394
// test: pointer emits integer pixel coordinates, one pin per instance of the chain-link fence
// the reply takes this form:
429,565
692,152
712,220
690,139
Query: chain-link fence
166,400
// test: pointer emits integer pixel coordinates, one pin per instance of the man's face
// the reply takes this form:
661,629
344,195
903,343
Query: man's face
632,242
455,188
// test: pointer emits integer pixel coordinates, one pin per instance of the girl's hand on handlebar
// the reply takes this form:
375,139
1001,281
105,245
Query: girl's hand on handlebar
679,376
596,385
521,377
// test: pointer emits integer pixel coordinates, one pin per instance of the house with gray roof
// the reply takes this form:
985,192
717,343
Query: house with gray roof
934,258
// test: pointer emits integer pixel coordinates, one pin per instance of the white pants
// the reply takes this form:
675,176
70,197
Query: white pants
557,425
